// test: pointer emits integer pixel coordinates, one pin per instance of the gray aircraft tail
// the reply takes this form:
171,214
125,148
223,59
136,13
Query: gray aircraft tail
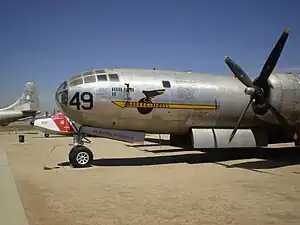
29,100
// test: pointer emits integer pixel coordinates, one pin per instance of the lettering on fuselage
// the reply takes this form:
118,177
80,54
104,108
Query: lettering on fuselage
146,105
114,90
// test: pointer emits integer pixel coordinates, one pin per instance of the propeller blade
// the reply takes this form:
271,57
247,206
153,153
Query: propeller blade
240,120
279,117
281,120
238,72
272,59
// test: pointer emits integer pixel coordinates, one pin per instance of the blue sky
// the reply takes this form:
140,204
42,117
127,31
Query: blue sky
48,41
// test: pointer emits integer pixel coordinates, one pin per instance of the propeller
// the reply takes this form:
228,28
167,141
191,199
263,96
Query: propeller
258,87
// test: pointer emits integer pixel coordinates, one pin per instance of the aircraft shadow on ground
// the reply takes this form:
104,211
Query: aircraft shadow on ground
52,136
155,142
18,132
268,158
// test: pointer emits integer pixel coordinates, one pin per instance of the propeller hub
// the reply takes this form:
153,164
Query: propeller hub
250,91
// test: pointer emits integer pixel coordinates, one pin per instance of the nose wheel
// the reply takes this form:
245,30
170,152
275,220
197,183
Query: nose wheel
80,156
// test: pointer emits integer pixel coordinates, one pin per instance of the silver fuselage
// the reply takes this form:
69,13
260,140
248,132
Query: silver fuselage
7,117
192,100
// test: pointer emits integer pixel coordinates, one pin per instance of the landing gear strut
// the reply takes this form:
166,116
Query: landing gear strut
80,156
297,136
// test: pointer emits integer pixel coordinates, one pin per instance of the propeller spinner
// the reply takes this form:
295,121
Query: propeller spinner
256,88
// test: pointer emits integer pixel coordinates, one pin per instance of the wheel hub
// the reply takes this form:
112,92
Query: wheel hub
82,158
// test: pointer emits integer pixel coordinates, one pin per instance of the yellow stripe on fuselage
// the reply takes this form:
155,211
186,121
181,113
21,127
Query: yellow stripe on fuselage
128,104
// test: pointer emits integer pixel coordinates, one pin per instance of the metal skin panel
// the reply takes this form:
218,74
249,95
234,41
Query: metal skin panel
218,138
203,138
223,94
6,117
284,96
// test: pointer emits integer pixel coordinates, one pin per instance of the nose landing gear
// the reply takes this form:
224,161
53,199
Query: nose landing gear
80,156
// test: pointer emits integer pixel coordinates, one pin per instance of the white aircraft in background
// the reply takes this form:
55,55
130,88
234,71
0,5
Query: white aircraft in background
25,107
57,124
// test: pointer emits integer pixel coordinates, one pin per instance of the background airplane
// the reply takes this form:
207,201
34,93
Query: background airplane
197,110
25,107
57,124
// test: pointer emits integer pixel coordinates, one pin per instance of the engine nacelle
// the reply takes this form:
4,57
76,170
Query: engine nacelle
284,95
218,138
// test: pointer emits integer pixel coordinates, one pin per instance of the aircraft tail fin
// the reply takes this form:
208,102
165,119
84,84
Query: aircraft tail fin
29,100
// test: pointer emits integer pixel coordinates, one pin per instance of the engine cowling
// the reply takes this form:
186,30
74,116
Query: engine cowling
284,95
218,138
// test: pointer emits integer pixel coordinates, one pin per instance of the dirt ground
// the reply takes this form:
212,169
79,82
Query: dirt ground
154,184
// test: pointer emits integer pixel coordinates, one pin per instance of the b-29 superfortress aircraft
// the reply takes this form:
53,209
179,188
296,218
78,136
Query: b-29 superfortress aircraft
25,107
202,110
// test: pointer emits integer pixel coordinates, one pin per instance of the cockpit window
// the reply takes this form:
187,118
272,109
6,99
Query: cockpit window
101,77
99,71
62,97
166,84
76,76
88,73
76,82
89,79
62,87
113,77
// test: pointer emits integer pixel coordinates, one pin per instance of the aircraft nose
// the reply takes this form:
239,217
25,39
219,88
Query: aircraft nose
61,96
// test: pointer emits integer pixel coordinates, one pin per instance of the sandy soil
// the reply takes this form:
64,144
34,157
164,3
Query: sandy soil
154,184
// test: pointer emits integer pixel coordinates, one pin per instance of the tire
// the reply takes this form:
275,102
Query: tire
46,135
80,156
